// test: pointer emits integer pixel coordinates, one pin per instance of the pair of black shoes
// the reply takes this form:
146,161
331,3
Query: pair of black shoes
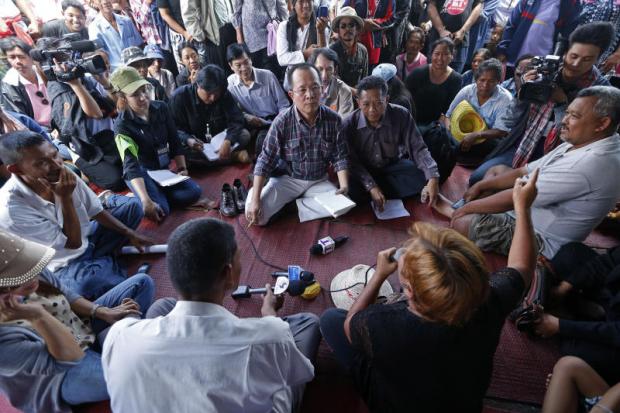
233,198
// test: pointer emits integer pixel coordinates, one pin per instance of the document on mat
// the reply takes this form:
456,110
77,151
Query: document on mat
153,249
211,149
335,204
393,208
165,177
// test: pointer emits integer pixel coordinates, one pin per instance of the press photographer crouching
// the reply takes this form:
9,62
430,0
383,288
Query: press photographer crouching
549,85
82,107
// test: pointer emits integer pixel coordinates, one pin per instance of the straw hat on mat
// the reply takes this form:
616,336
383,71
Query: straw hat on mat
354,277
466,120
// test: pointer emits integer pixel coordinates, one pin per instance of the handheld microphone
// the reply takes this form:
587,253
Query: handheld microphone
397,254
326,245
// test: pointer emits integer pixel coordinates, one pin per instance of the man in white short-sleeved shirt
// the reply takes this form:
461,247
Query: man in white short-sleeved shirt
205,358
45,202
577,184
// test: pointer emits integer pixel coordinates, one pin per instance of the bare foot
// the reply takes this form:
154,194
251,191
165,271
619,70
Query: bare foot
444,206
204,203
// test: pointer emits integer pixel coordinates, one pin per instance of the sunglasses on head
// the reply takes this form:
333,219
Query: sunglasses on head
41,96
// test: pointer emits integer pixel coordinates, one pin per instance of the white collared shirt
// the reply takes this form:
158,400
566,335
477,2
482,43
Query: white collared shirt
576,190
26,214
205,359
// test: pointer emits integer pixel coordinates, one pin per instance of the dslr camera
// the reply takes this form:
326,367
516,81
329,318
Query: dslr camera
539,90
69,53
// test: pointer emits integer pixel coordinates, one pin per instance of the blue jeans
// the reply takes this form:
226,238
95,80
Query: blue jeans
96,271
180,195
332,329
501,159
84,383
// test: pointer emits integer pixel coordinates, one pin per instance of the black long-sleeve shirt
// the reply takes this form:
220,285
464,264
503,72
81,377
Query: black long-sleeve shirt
151,137
192,115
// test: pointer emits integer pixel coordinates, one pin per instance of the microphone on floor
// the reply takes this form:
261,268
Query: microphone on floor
328,244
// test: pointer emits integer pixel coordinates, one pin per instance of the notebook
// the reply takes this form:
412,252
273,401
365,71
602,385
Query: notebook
165,177
335,204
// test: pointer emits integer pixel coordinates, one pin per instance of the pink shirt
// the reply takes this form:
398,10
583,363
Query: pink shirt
403,69
42,112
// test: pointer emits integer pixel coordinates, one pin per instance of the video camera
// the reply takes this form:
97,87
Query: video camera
539,90
70,54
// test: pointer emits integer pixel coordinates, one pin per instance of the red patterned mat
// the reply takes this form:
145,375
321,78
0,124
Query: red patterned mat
521,364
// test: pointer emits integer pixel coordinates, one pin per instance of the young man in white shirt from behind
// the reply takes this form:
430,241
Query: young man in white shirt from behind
205,358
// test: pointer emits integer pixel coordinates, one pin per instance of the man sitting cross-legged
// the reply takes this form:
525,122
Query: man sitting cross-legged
577,185
377,133
306,137
208,359
45,202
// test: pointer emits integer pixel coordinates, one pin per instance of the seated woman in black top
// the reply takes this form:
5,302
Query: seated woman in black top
435,85
147,140
433,350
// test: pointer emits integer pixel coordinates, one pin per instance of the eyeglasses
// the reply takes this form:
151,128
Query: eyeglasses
345,26
41,96
314,90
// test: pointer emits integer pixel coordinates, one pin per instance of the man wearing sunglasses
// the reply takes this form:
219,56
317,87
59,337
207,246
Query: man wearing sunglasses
352,55
24,89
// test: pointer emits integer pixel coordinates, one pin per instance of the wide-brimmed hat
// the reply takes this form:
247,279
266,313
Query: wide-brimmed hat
21,260
347,12
152,51
385,71
464,120
133,54
127,80
354,278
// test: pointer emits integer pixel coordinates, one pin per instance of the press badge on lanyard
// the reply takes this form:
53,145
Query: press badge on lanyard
164,159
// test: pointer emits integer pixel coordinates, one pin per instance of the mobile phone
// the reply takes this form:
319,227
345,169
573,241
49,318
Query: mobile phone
458,203
323,11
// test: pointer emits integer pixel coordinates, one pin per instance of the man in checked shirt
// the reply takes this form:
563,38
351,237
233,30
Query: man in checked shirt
306,138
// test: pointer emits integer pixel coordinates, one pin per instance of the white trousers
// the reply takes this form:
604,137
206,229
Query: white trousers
281,190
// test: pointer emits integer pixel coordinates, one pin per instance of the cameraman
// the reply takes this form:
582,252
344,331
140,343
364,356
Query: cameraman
82,111
535,126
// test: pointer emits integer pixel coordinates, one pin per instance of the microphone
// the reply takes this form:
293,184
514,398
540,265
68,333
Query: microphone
245,291
397,254
326,245
304,275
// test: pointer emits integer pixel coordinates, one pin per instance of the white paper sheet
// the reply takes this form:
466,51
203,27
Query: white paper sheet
393,208
165,177
153,249
211,149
